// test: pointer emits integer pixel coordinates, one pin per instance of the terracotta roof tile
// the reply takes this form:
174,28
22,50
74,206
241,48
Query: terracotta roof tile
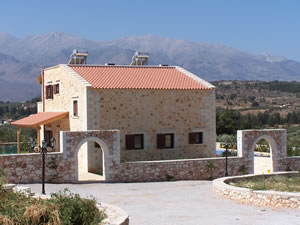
138,77
38,119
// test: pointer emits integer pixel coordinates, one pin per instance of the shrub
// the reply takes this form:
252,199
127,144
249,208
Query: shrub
63,208
74,210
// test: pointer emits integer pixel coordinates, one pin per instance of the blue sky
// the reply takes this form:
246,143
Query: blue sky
255,26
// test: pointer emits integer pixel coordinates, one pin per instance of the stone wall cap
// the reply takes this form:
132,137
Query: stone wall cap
220,184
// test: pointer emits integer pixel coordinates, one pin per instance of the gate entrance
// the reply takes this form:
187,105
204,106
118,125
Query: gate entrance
90,162
262,157
273,140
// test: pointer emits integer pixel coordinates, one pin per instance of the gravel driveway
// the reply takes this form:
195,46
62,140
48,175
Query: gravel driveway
177,203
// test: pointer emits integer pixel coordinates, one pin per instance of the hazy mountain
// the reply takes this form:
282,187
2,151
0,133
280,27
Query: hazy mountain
22,59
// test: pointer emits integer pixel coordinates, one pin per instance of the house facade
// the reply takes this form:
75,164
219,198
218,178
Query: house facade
162,112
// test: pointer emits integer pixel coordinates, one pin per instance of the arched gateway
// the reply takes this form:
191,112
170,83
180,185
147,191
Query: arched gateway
76,146
276,138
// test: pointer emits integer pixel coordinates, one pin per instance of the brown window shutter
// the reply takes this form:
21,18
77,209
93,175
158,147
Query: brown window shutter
160,141
51,91
129,142
201,138
56,89
192,138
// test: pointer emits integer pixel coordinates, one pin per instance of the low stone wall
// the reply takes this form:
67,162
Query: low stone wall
186,169
115,215
27,168
63,167
290,163
262,198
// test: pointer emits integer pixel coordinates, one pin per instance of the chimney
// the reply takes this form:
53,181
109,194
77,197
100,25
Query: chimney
78,57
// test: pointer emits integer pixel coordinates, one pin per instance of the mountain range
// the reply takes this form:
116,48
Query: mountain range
21,59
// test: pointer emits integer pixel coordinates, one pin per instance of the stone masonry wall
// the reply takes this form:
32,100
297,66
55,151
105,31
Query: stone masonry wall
188,169
62,167
262,198
246,140
171,111
290,163
70,88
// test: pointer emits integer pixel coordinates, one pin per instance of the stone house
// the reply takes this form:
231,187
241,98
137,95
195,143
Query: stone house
162,112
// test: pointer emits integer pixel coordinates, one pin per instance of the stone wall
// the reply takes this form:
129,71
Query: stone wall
247,139
262,198
171,111
290,163
64,166
61,167
27,168
188,169
70,88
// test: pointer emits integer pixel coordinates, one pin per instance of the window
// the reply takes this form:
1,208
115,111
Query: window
49,92
165,141
196,138
75,107
56,89
48,136
135,141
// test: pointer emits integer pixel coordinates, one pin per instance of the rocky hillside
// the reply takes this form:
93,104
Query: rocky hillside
22,59
258,96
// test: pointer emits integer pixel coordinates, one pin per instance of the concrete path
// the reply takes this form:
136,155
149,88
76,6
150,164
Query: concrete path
177,203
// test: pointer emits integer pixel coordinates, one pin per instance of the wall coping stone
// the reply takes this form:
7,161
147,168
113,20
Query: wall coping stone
180,160
31,154
221,187
115,215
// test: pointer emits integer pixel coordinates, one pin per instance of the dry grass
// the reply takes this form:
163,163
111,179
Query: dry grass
286,183
5,221
42,214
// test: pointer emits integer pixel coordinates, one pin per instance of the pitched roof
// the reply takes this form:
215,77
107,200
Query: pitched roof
38,119
139,77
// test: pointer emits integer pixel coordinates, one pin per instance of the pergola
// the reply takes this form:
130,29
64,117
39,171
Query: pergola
36,121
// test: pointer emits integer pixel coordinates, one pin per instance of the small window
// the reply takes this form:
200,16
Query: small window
75,107
135,141
196,138
165,141
49,92
56,89
97,145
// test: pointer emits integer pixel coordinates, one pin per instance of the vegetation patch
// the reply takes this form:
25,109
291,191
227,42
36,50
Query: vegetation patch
63,208
286,183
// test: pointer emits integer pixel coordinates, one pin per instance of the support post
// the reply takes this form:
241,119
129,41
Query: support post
18,139
38,131
43,169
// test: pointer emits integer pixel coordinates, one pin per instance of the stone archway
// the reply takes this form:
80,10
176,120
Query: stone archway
109,141
247,139
82,153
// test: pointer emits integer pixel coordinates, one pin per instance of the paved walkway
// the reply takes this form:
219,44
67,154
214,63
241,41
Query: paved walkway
178,203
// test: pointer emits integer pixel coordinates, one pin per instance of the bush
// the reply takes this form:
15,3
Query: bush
76,210
63,208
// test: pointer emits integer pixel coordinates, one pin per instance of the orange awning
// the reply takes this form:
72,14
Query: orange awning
36,120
